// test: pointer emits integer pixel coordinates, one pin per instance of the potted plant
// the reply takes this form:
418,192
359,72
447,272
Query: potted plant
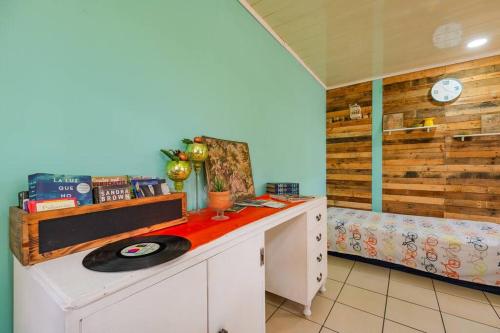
178,168
219,199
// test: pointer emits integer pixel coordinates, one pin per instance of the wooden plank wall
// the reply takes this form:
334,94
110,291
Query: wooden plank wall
433,174
349,147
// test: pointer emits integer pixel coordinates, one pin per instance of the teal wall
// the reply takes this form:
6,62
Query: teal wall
377,115
98,87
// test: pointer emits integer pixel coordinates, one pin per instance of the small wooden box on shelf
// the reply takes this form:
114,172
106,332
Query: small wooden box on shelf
47,235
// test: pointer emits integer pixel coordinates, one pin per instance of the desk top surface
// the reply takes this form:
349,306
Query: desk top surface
72,286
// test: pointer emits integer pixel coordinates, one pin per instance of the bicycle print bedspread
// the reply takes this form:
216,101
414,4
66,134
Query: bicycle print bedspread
458,249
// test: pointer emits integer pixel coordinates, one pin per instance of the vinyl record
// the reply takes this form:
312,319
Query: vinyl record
136,253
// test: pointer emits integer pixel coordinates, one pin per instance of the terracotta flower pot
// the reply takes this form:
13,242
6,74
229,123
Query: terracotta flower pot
220,201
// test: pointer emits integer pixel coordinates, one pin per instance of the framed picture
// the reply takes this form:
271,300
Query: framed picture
230,162
490,123
393,121
355,111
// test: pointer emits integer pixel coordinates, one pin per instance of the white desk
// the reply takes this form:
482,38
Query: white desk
215,287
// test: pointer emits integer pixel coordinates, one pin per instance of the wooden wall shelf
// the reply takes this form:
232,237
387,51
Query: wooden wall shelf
463,136
427,128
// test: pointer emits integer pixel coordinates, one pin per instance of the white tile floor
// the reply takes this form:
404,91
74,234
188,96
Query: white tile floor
363,298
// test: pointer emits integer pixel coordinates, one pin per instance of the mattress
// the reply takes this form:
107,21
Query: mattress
458,249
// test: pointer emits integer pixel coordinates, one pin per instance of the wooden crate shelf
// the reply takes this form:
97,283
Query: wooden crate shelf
46,235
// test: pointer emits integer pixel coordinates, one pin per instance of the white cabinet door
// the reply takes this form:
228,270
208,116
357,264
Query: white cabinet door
177,304
236,289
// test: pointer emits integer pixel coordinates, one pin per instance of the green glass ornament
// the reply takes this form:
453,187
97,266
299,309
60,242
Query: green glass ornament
178,172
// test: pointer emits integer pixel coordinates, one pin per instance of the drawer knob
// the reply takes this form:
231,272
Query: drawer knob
320,277
320,257
223,331
318,238
318,217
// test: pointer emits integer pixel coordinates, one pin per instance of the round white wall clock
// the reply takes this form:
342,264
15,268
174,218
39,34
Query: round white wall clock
446,90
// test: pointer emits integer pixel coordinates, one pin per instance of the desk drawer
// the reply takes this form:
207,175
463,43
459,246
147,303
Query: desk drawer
316,217
317,257
317,238
316,247
317,271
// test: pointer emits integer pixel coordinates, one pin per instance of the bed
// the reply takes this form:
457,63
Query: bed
457,249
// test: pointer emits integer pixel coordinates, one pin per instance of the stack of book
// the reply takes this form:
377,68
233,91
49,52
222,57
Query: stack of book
49,191
283,188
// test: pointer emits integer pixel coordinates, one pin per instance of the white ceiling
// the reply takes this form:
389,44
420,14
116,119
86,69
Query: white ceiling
348,41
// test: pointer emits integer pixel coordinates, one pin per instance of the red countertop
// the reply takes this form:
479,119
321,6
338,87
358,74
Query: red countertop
201,229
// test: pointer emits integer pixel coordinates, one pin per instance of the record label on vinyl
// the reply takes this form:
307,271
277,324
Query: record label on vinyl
136,253
139,250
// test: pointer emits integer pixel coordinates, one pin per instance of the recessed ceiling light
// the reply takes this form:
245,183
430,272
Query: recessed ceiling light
477,42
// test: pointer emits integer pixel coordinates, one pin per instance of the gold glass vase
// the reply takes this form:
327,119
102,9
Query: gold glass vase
198,153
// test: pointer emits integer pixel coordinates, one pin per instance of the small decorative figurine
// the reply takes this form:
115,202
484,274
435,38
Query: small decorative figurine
429,122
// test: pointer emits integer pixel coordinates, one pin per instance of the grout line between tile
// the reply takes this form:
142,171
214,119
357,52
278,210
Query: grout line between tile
439,306
336,280
386,297
353,307
489,301
405,325
272,314
407,301
467,298
303,317
440,312
373,291
340,291
274,304
300,316
474,321
423,306
319,295
464,317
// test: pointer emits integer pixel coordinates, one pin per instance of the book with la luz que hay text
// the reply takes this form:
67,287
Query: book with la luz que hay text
45,186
